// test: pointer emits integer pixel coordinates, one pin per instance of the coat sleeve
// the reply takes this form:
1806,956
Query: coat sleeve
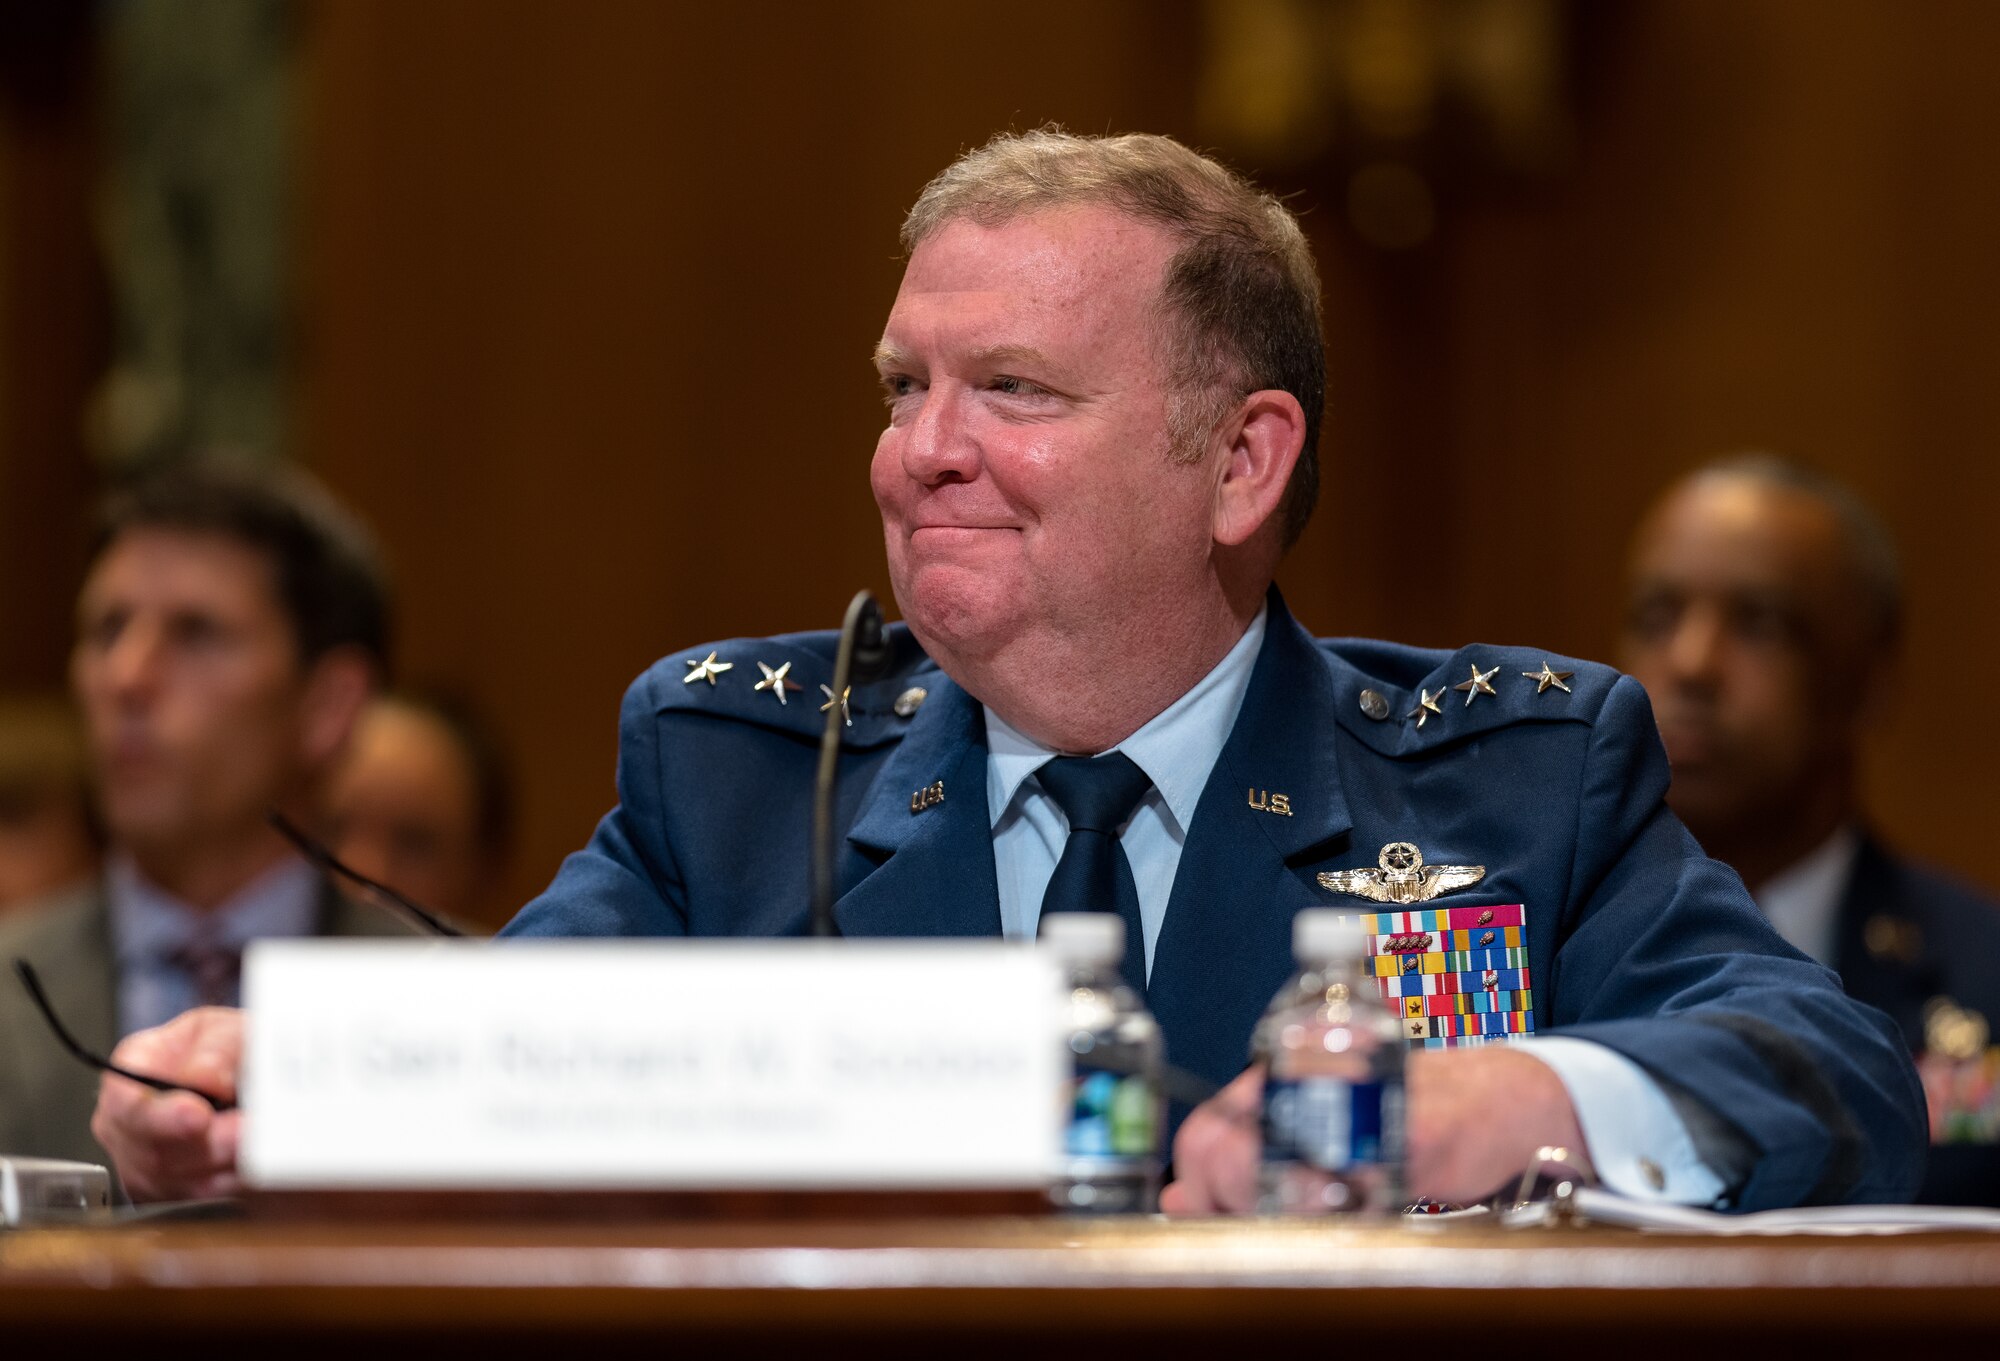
627,881
1665,959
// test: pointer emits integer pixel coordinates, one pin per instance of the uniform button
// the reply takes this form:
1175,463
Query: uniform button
1650,1170
1374,705
911,700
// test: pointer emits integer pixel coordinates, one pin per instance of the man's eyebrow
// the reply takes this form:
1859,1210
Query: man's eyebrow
997,355
890,357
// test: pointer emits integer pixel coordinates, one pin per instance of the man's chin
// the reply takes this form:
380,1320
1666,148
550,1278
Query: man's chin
957,614
1710,803
145,821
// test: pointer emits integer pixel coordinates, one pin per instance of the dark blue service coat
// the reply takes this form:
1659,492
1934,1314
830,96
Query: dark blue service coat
1910,936
1635,939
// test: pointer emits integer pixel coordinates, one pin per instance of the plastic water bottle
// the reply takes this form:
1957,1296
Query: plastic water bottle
1333,1088
1111,1155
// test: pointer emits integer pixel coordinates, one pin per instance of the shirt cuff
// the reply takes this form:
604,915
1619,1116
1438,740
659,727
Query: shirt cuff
1638,1143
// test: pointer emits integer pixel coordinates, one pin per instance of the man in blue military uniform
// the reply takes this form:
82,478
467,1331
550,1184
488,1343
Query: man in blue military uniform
1104,377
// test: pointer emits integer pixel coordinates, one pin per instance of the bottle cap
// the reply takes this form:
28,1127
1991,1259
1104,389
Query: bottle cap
1323,935
1085,937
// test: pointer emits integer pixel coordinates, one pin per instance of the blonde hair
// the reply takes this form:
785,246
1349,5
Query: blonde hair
1239,305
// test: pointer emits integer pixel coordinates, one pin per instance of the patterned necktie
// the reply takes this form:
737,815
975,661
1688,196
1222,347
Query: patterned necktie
1098,795
212,966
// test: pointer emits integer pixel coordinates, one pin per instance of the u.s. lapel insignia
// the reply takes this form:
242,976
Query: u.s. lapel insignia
1264,801
706,669
930,796
777,681
1402,878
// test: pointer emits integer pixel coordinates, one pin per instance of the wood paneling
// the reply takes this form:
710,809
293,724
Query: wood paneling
53,329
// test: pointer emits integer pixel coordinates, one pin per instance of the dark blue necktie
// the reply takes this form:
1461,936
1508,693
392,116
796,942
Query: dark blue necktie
1098,795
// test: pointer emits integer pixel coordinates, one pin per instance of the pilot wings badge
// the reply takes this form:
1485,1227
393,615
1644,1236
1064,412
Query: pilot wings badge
1403,877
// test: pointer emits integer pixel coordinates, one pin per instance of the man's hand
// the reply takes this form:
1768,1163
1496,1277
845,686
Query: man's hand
172,1145
1476,1118
1215,1154
1474,1121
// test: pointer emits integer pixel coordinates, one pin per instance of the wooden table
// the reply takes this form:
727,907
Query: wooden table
1026,1288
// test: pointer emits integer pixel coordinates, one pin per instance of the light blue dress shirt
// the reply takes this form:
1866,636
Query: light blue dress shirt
1638,1143
150,926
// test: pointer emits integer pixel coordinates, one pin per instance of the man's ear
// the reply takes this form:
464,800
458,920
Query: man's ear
338,686
1260,442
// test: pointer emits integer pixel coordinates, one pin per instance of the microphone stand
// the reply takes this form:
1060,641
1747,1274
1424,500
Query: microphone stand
859,659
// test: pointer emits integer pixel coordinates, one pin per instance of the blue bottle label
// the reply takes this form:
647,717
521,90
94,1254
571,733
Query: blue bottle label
1326,1122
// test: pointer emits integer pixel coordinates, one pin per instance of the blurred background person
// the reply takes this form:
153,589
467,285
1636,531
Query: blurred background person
231,629
1765,619
49,839
422,802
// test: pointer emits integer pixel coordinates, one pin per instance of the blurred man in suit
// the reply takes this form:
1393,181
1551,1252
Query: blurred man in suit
231,627
1764,618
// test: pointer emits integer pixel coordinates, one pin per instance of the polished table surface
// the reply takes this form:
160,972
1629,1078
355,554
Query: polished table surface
1051,1285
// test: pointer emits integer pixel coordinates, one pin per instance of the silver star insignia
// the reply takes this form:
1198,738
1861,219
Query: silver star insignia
775,681
706,669
1548,676
1480,684
1402,878
1427,704
845,717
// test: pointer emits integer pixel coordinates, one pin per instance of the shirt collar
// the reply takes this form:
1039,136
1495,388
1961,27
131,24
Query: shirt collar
1177,748
149,923
1803,900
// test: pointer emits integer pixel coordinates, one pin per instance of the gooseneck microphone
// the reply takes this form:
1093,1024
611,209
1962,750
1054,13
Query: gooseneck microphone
862,657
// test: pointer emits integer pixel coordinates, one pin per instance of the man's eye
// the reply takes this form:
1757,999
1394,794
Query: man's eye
196,632
1764,624
102,632
1651,619
1017,387
896,386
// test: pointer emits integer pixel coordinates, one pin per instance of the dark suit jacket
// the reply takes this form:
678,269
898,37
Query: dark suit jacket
1949,939
1634,938
46,1096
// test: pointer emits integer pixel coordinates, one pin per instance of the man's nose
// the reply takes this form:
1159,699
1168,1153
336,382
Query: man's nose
130,664
939,446
1694,649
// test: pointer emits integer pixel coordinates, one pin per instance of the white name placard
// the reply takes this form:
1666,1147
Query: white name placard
650,1064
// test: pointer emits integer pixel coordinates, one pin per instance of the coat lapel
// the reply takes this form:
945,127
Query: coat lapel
926,870
1246,868
72,954
80,975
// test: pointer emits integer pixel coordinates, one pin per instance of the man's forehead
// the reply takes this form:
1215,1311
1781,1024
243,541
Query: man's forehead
191,565
1741,534
988,288
1080,247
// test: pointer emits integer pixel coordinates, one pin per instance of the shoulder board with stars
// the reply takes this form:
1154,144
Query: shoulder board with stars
785,684
1404,700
